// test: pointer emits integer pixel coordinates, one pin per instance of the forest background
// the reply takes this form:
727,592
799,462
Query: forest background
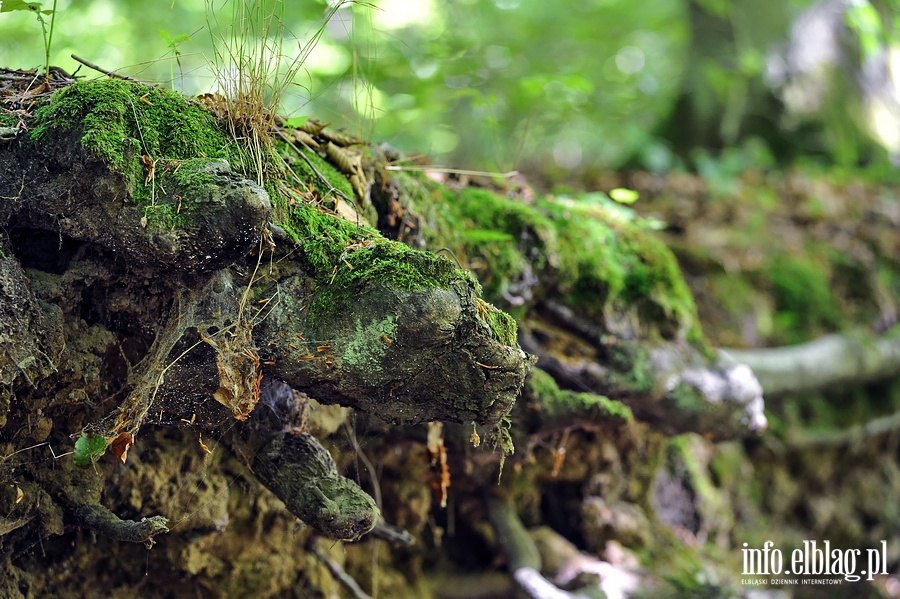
712,85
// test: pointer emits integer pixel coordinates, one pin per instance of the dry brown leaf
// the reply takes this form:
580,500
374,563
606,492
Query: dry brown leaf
120,445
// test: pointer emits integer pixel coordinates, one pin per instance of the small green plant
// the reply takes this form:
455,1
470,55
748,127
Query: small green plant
35,7
173,43
623,195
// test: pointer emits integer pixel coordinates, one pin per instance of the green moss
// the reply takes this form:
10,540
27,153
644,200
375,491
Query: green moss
344,257
120,120
632,370
510,236
7,118
565,408
804,301
573,249
602,264
174,212
497,238
607,264
688,400
131,126
685,450
190,173
503,326
164,216
540,384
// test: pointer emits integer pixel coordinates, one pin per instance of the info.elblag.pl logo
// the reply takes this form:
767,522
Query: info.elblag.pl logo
814,559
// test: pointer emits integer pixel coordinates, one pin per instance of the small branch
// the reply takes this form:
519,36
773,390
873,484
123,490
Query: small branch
337,571
101,520
519,547
113,74
393,534
312,166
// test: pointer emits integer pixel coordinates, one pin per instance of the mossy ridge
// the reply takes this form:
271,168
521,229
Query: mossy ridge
598,264
344,257
119,121
182,174
509,235
576,249
565,406
607,264
481,229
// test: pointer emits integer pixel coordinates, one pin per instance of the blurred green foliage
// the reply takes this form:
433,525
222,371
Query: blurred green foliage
505,84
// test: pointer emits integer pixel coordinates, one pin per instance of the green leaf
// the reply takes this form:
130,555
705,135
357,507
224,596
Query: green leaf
296,121
623,196
173,41
88,449
11,5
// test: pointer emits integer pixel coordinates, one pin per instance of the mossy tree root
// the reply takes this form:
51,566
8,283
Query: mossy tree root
406,356
160,302
522,553
101,520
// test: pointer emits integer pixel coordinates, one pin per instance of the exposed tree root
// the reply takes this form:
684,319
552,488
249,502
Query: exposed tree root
101,520
831,360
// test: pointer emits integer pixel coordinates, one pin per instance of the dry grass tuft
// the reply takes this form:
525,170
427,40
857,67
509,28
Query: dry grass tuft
254,69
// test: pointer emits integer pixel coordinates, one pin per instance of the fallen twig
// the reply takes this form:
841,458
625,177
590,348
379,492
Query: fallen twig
114,74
